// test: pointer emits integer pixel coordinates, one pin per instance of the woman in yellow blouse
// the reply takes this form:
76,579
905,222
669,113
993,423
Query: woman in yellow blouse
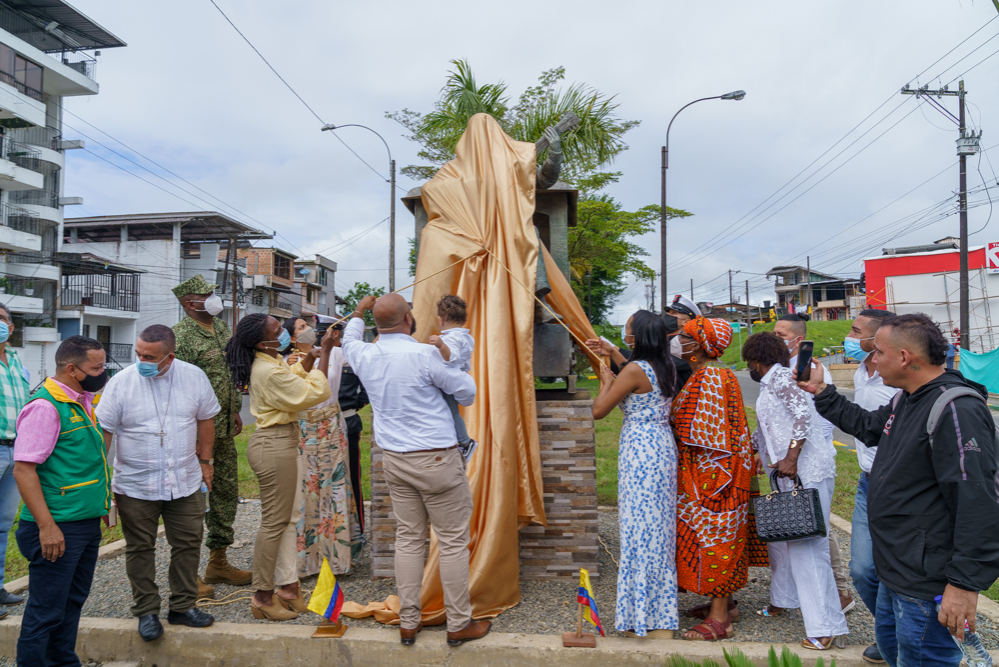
277,393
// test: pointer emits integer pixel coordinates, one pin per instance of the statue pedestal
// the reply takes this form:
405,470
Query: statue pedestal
569,473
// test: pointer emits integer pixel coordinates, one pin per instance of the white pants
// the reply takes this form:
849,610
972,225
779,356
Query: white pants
802,575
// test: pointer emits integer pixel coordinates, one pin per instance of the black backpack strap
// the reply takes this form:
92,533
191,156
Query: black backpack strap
945,399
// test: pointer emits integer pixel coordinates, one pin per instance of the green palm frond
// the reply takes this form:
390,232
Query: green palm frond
677,660
737,659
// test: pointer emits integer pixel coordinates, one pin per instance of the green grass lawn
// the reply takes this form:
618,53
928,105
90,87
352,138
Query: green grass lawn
825,334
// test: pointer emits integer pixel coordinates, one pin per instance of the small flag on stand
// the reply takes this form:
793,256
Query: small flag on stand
585,597
327,598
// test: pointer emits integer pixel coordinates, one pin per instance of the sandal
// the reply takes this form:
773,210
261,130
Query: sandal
766,611
816,645
711,630
701,611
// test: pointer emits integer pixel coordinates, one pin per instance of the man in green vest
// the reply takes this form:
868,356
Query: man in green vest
201,339
60,465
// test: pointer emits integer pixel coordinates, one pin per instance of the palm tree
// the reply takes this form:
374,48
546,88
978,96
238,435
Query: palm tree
596,141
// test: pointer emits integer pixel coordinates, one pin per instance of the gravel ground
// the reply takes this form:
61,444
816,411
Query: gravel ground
546,607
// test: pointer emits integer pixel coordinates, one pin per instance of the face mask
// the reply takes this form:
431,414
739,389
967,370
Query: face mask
307,337
791,343
213,305
284,339
148,369
4,332
851,348
755,375
672,324
94,383
676,347
624,335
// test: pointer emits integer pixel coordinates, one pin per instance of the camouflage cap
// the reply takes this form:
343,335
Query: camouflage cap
195,285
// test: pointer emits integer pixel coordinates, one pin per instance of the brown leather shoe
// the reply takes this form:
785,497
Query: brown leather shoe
220,571
204,590
408,637
474,630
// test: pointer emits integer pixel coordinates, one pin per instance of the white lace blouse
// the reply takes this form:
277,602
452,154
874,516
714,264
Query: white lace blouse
783,414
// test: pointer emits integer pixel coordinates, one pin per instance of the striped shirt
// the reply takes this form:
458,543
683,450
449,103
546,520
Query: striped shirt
13,393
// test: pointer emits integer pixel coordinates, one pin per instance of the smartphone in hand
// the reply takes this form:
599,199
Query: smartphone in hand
805,360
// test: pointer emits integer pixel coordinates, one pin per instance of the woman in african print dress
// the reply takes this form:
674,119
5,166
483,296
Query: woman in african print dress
646,580
716,534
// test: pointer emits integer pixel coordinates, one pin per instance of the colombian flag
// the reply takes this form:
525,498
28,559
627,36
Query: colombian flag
584,597
327,599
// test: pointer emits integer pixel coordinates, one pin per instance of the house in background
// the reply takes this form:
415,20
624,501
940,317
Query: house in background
170,248
315,280
825,296
48,53
270,282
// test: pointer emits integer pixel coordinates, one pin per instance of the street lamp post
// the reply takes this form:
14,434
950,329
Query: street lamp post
735,95
391,198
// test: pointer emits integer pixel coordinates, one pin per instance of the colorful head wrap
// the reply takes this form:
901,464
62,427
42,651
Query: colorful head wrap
713,335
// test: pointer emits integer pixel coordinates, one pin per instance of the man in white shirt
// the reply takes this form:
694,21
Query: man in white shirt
423,467
161,409
793,329
870,393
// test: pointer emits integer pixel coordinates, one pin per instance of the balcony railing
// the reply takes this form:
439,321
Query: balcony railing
20,154
83,63
21,88
35,198
115,291
19,219
46,137
30,287
119,352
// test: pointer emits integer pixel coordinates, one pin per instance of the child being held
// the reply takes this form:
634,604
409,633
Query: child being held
455,345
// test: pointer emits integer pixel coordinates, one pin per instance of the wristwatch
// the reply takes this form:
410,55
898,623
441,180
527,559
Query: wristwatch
208,462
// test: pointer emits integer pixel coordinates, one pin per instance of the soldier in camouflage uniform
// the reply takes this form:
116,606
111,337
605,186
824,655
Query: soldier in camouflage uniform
201,340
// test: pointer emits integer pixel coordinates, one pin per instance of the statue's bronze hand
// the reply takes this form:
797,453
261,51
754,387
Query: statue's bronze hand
554,140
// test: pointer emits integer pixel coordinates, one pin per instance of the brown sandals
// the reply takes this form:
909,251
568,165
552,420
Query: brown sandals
702,610
711,630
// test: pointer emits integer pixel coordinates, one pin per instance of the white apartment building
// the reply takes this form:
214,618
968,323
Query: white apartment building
163,250
48,52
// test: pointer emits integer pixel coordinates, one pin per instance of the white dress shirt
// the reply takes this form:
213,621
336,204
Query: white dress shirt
461,344
404,380
870,393
134,408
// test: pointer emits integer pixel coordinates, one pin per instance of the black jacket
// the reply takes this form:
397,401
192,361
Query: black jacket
933,512
683,371
352,397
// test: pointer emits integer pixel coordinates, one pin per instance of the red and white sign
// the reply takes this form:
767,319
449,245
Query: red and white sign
992,258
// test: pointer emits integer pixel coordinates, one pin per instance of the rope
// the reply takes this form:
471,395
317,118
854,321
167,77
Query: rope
247,595
543,304
609,552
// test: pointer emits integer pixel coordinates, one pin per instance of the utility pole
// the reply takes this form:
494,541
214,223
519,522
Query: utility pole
967,144
749,316
808,267
731,299
392,226
691,289
652,292
589,296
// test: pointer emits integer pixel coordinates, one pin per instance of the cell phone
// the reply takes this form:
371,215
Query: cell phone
805,360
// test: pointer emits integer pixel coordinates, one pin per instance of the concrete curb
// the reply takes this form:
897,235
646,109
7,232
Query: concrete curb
112,550
986,607
239,645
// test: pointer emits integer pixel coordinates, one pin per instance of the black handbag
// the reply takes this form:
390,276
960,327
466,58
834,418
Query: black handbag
782,516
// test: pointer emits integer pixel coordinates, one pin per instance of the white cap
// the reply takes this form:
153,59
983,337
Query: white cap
682,304
326,319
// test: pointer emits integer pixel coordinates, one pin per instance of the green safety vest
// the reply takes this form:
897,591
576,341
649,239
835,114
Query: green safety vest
74,478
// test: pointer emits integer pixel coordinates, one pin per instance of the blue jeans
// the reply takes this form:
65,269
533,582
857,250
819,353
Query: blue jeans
865,579
9,498
909,634
57,593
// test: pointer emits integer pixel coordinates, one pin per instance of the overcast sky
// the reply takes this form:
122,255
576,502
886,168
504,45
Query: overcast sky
190,94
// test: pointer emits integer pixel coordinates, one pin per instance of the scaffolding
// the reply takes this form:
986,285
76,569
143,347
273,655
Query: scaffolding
981,335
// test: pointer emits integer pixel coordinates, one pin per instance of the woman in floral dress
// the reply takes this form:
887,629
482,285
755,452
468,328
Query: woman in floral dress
646,582
328,524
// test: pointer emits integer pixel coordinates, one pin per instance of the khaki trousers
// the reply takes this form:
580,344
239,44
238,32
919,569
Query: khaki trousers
286,568
430,486
183,522
839,569
273,455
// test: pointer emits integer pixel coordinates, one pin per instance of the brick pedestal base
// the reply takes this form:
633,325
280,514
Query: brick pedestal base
569,472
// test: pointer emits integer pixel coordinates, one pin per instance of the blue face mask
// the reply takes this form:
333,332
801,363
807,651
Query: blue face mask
4,332
851,348
284,338
148,369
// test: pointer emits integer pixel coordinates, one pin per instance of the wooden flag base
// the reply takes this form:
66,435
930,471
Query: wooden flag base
579,639
584,640
327,630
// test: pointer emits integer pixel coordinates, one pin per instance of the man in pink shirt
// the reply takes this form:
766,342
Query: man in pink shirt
60,465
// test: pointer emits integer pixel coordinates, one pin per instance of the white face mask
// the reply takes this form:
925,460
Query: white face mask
213,305
676,348
791,344
624,335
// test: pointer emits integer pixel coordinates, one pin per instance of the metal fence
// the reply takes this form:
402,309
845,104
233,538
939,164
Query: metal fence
19,219
46,137
115,291
120,352
35,198
20,154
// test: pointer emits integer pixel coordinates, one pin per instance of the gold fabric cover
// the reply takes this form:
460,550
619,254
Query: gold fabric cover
482,202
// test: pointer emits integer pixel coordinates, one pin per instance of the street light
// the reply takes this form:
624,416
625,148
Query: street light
391,198
734,95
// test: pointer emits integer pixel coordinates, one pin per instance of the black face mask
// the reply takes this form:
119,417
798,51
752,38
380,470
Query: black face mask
94,383
754,375
672,324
